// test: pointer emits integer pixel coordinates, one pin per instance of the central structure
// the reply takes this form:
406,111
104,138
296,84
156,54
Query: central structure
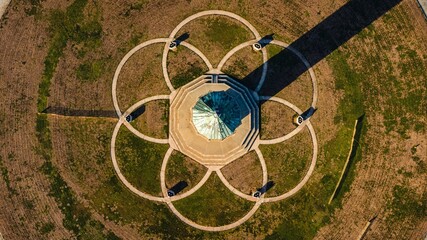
214,119
216,115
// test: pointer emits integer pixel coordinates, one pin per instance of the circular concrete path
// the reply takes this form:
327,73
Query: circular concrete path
169,200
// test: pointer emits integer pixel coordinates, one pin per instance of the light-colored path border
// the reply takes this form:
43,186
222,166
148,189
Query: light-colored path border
309,171
307,64
238,192
187,193
162,172
293,132
136,106
218,68
119,173
136,49
168,200
3,7
240,47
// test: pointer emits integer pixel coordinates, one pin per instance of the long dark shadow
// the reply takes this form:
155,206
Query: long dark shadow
79,112
319,42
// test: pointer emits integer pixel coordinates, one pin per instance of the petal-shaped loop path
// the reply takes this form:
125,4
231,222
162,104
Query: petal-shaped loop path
211,169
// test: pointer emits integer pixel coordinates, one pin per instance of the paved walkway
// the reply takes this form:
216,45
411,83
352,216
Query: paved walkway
164,63
293,132
307,64
3,6
119,173
169,200
309,171
136,106
240,47
185,194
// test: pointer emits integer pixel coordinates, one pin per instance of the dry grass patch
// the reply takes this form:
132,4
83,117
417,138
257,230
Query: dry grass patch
215,35
276,120
154,120
141,77
184,66
244,173
245,64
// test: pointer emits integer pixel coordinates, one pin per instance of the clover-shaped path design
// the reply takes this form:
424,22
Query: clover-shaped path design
212,167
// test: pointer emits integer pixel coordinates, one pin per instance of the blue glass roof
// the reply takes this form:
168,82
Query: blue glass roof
216,115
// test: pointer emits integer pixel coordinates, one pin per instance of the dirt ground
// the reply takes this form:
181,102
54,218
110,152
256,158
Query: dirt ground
26,206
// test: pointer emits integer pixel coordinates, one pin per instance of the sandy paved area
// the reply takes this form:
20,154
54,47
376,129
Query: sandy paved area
3,6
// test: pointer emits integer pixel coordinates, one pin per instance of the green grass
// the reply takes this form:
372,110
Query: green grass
407,203
225,33
187,76
77,218
185,73
180,168
287,162
238,69
355,155
5,174
116,203
46,228
213,204
140,161
135,7
310,209
90,70
34,9
65,26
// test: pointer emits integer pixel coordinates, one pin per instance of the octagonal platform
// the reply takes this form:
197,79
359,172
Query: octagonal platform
214,119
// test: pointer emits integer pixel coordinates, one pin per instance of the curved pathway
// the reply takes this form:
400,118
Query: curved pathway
307,175
240,47
307,64
293,132
239,193
136,106
164,62
119,173
218,228
3,6
169,200
185,194
218,69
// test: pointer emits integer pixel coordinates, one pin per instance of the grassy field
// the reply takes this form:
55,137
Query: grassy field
244,173
70,59
184,66
77,217
215,36
183,168
140,161
288,162
65,26
213,204
154,122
